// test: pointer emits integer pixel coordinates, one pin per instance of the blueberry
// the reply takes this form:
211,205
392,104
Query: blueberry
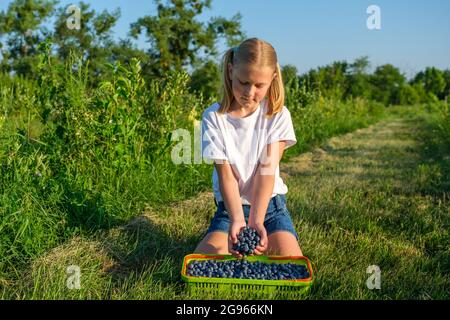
247,241
246,270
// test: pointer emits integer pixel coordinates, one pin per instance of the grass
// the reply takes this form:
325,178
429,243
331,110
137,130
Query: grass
375,196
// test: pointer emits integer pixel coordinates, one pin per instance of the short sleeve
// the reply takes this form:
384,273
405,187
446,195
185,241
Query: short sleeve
213,145
282,129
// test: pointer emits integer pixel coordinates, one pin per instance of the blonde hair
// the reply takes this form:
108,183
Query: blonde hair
253,52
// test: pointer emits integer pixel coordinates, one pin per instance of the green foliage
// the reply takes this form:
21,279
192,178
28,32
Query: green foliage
72,155
92,41
297,94
176,37
206,79
387,81
326,117
358,79
387,84
178,41
330,80
408,95
433,82
23,24
446,124
443,110
447,83
289,74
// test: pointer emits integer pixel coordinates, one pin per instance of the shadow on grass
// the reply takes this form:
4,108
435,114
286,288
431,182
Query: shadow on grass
86,211
141,248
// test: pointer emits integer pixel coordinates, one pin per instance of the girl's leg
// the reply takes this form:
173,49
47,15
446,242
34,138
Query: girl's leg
213,242
283,243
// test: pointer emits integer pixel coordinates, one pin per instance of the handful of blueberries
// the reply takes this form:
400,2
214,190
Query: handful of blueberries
242,269
248,239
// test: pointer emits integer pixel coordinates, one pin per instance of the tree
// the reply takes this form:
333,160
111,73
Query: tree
433,82
387,81
23,23
447,83
289,74
124,51
408,95
330,80
206,79
93,40
360,65
177,39
358,79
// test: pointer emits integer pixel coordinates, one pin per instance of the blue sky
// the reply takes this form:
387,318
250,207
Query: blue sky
414,34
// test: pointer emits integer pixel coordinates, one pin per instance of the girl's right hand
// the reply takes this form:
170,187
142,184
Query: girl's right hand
235,228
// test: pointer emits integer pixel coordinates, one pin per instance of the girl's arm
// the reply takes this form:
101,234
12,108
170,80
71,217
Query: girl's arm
229,189
262,190
264,182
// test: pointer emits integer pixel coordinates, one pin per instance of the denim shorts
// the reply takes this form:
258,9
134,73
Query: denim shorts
277,217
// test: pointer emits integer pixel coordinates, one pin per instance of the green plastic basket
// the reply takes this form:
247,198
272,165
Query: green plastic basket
297,287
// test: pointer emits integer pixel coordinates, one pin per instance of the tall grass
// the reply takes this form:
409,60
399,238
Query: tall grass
444,120
76,159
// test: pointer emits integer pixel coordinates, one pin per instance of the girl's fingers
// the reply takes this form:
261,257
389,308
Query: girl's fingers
236,254
257,252
264,240
261,249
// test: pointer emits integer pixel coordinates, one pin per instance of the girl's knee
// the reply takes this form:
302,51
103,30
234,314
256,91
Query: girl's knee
285,251
213,243
209,248
284,244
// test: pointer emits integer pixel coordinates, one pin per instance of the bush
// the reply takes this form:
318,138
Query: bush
408,95
77,159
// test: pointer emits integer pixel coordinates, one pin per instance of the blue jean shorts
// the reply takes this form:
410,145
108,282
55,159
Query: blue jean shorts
277,217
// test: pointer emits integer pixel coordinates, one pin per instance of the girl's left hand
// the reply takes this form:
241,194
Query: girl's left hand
263,242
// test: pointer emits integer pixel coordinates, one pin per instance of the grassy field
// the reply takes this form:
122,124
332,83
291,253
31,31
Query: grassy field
375,196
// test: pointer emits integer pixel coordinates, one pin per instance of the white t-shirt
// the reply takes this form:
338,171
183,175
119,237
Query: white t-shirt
241,141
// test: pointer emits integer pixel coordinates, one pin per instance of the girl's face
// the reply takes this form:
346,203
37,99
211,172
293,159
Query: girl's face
250,84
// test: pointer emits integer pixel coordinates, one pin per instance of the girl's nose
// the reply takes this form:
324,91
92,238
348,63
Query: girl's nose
249,90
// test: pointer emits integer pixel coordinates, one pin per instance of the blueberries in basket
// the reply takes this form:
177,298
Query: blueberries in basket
246,270
247,241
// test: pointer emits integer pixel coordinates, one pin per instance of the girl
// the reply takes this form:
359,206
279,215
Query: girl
245,135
